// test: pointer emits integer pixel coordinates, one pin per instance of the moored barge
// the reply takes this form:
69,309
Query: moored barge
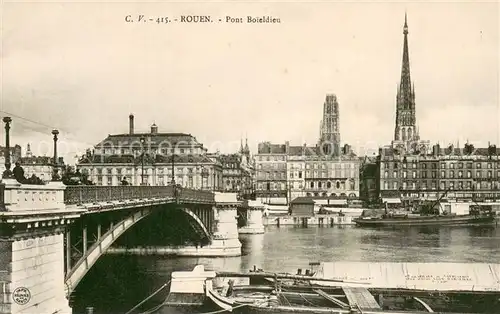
422,289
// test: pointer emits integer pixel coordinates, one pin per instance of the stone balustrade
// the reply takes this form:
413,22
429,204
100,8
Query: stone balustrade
26,197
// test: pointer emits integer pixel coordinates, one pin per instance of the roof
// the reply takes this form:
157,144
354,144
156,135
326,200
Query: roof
437,151
130,159
154,139
302,150
268,148
231,158
302,200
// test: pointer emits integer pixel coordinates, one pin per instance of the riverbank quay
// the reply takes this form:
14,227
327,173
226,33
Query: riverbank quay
316,220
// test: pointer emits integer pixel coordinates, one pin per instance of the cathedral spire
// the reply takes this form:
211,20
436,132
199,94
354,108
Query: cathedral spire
405,69
406,129
247,149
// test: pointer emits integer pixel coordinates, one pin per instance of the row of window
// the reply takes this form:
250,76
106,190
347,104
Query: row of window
125,171
188,182
231,171
271,175
271,186
272,166
339,185
451,174
309,166
136,151
270,158
460,185
324,194
307,174
443,165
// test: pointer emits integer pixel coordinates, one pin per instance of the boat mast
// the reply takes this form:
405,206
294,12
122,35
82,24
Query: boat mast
440,198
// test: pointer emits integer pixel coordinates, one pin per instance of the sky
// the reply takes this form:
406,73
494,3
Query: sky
80,68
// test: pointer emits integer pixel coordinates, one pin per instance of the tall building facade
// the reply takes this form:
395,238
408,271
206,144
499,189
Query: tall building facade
235,176
327,170
152,158
329,138
285,172
449,173
410,170
271,173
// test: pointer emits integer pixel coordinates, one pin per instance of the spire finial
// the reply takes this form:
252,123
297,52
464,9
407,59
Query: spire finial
405,28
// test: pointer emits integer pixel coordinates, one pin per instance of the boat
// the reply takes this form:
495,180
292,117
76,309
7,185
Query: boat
435,213
430,220
323,292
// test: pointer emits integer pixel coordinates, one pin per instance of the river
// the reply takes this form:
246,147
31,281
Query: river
117,282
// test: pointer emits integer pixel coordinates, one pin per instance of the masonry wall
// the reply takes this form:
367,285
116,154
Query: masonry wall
38,265
5,259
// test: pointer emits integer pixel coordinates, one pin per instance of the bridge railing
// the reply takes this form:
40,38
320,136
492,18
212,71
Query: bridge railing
84,194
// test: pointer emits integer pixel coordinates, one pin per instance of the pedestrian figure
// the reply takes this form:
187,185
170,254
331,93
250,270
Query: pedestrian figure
124,181
18,172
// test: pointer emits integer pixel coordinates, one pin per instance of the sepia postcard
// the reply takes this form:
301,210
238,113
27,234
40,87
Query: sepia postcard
249,157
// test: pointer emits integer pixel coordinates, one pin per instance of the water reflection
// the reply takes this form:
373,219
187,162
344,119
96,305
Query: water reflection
252,248
116,283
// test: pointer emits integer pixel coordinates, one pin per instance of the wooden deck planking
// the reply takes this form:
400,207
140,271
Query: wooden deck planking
178,299
331,298
362,297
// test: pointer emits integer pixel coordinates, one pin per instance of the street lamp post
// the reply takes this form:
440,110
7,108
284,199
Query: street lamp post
142,160
173,168
55,175
7,173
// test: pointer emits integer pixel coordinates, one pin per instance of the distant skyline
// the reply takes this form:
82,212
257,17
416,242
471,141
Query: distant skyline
81,68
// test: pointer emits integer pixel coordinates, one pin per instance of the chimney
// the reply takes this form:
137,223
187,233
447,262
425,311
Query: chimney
131,124
154,128
436,150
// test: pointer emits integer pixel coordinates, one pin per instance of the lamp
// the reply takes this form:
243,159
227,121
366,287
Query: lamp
55,175
7,173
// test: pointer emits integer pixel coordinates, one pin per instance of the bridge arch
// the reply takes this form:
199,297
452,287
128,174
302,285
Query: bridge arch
104,241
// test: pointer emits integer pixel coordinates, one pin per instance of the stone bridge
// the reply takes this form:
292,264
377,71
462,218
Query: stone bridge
51,235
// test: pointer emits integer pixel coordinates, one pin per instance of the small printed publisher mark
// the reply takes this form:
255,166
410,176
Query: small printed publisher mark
21,295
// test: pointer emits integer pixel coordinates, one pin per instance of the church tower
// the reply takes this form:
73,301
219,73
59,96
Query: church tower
329,138
406,125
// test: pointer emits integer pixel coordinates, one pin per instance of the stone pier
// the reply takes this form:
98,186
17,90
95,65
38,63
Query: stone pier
224,240
34,219
254,222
